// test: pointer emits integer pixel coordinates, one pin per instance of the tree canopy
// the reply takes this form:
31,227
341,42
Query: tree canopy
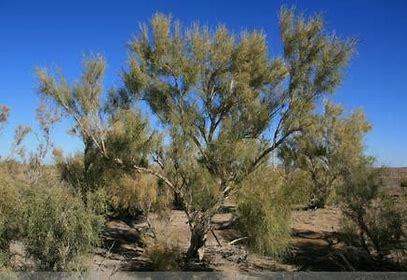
224,101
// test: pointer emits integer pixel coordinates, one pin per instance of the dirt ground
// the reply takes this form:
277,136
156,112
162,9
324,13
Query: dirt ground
315,247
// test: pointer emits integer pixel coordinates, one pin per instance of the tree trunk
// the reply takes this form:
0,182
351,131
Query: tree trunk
317,202
199,229
87,161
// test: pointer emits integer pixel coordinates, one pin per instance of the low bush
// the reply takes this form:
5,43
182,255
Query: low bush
134,194
297,187
371,220
164,254
59,231
10,205
264,213
113,188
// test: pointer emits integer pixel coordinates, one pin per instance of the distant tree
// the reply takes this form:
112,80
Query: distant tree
4,114
324,148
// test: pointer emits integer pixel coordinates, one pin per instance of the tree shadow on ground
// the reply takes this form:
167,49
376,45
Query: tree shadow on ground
122,241
323,251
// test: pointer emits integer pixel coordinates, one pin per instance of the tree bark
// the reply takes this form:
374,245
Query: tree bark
199,230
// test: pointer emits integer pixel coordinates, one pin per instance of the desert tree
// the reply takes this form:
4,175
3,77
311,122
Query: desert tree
17,147
226,103
81,102
324,148
114,135
4,114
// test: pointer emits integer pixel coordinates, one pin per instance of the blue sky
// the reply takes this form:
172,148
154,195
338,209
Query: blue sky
60,33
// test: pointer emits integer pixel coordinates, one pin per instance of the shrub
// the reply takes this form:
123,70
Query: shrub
378,232
111,187
134,193
10,204
264,213
139,193
164,254
58,230
371,217
4,244
297,187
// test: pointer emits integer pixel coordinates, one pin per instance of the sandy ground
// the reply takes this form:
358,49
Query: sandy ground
315,247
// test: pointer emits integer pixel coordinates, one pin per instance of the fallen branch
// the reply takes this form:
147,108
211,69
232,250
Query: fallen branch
237,240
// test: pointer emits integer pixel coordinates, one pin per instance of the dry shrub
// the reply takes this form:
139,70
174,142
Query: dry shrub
71,169
164,254
110,187
56,228
59,231
379,230
139,193
372,220
10,205
264,213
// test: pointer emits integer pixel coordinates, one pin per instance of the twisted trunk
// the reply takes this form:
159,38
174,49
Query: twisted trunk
199,228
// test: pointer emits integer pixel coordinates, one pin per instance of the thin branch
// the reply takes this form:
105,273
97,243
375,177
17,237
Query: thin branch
237,240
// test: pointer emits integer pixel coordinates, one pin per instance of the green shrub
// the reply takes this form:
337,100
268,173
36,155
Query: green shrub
58,230
297,187
264,213
379,230
4,243
10,205
371,220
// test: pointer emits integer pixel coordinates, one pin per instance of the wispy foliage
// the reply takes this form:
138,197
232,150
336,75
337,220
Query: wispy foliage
218,94
332,142
372,220
225,105
264,212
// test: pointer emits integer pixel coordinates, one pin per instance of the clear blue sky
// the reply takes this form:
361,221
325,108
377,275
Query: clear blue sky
60,33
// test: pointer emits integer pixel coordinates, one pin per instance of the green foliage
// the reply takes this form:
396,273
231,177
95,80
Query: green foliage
297,187
115,137
71,169
58,230
129,138
264,212
373,217
10,206
216,95
331,142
